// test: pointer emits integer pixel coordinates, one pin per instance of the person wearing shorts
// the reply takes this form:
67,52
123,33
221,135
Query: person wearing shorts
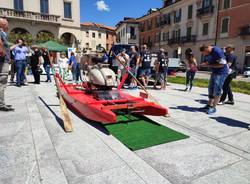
145,65
133,64
216,60
161,69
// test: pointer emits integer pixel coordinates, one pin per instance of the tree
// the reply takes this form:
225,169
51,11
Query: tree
27,37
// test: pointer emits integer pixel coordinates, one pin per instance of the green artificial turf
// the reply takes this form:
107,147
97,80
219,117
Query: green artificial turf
138,132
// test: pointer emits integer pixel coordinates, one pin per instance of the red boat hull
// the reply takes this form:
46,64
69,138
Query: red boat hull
103,111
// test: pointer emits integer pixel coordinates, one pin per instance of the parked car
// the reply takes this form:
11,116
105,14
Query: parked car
246,72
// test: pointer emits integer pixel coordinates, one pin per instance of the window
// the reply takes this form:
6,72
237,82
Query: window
206,3
205,29
177,16
226,4
44,6
87,45
99,35
132,32
18,5
93,35
224,26
189,31
67,10
190,11
87,33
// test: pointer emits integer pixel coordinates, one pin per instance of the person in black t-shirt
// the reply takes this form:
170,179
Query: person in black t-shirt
232,64
161,69
134,64
35,64
46,63
145,62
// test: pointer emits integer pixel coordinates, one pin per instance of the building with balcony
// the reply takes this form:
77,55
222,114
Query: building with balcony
149,29
179,24
234,28
95,37
127,31
60,18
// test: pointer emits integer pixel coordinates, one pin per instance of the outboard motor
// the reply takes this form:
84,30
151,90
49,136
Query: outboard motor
103,77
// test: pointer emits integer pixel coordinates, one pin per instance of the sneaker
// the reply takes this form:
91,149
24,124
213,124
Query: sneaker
229,102
211,110
221,103
206,107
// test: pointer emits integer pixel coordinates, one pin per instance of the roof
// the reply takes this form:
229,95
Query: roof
53,46
127,20
92,24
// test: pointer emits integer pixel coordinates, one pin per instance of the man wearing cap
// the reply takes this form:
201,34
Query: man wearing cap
216,60
232,64
4,63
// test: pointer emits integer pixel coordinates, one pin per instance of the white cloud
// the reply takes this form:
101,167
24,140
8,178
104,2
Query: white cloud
102,6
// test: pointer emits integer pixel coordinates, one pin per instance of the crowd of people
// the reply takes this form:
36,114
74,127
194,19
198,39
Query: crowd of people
138,66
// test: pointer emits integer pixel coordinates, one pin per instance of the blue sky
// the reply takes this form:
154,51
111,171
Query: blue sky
110,12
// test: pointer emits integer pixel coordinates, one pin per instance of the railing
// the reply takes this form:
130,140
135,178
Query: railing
245,30
191,38
11,13
174,40
205,10
133,37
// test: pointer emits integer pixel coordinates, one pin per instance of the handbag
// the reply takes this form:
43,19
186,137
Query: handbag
193,68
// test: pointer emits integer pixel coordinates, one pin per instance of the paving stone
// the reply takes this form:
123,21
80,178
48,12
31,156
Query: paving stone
180,164
238,173
121,175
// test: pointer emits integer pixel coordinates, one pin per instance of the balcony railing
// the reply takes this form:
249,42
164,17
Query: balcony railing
174,40
244,31
205,10
132,37
11,13
186,39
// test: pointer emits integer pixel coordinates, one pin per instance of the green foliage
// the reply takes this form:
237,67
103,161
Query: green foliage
30,40
26,37
237,86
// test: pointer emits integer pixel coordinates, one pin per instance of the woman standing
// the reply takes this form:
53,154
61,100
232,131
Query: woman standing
191,70
47,63
20,52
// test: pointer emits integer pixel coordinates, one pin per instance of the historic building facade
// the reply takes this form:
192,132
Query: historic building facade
58,17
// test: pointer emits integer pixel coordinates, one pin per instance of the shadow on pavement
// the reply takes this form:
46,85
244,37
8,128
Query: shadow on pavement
183,90
58,119
94,124
201,101
231,122
188,109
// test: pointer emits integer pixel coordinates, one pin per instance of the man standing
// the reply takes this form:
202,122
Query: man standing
232,64
145,65
161,69
215,59
134,64
4,65
124,58
36,60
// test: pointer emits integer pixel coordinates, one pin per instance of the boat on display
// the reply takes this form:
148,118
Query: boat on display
99,101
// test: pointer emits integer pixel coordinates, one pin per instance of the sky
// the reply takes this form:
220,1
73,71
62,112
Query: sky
110,12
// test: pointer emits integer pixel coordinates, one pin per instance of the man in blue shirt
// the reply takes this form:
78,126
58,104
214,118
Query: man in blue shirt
216,61
20,52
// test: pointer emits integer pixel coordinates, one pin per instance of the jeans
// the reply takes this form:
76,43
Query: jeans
36,74
215,84
20,69
47,70
189,78
227,91
76,72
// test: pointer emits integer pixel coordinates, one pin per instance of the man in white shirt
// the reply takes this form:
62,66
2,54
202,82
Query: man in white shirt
124,58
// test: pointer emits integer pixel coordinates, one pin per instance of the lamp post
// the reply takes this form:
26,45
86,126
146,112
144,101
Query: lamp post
217,22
